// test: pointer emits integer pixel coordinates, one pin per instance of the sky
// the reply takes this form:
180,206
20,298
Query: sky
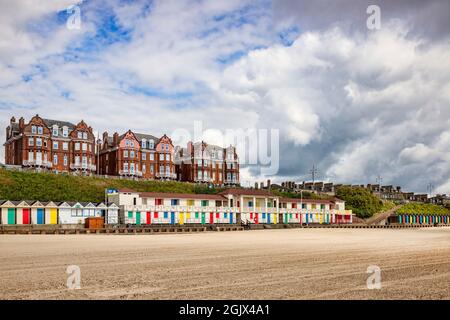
357,103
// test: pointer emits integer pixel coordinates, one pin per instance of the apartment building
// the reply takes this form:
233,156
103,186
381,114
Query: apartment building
50,145
137,155
206,163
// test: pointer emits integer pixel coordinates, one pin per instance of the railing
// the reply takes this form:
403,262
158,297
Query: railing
203,180
135,173
164,208
232,181
34,163
166,175
90,167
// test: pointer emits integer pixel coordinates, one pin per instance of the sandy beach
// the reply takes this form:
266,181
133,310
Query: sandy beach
265,264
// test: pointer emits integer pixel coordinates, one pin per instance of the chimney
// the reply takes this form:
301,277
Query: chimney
268,184
189,147
13,120
21,124
105,136
261,185
116,139
256,185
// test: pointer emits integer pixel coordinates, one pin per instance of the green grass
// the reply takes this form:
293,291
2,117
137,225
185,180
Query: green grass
19,185
363,203
423,208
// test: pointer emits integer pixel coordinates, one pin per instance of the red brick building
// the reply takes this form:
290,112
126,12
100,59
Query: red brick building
137,155
207,163
50,145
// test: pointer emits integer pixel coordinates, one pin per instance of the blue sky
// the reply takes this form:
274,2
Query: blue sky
354,102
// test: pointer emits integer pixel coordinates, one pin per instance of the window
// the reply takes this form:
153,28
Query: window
85,135
55,131
220,165
38,142
206,174
84,159
30,155
80,135
228,177
161,169
127,143
144,156
30,142
175,202
45,143
151,144
199,163
144,144
65,132
55,145
89,147
65,146
125,153
167,156
132,154
167,170
55,159
65,160
204,203
199,175
84,146
161,157
77,160
132,167
125,167
77,146
40,130
152,156
151,169
143,168
33,129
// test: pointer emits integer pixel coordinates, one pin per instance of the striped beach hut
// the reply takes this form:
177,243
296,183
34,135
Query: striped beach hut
8,214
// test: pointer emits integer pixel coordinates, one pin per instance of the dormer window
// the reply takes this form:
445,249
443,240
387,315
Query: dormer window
33,129
151,144
65,132
85,135
40,130
80,135
143,143
55,131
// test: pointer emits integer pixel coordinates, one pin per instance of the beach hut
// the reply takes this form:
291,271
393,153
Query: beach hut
37,212
8,209
51,212
23,212
112,214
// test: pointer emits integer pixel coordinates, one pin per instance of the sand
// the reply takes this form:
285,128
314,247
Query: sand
265,264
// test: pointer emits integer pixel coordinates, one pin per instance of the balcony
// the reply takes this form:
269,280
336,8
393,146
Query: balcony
86,167
135,173
163,175
34,163
231,181
203,180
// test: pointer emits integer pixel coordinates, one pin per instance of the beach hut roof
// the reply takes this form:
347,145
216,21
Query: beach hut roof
113,205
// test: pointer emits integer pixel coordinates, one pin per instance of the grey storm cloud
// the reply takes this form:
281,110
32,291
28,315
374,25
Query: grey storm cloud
427,19
355,102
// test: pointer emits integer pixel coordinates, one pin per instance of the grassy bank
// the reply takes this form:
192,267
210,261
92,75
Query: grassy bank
423,208
17,185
